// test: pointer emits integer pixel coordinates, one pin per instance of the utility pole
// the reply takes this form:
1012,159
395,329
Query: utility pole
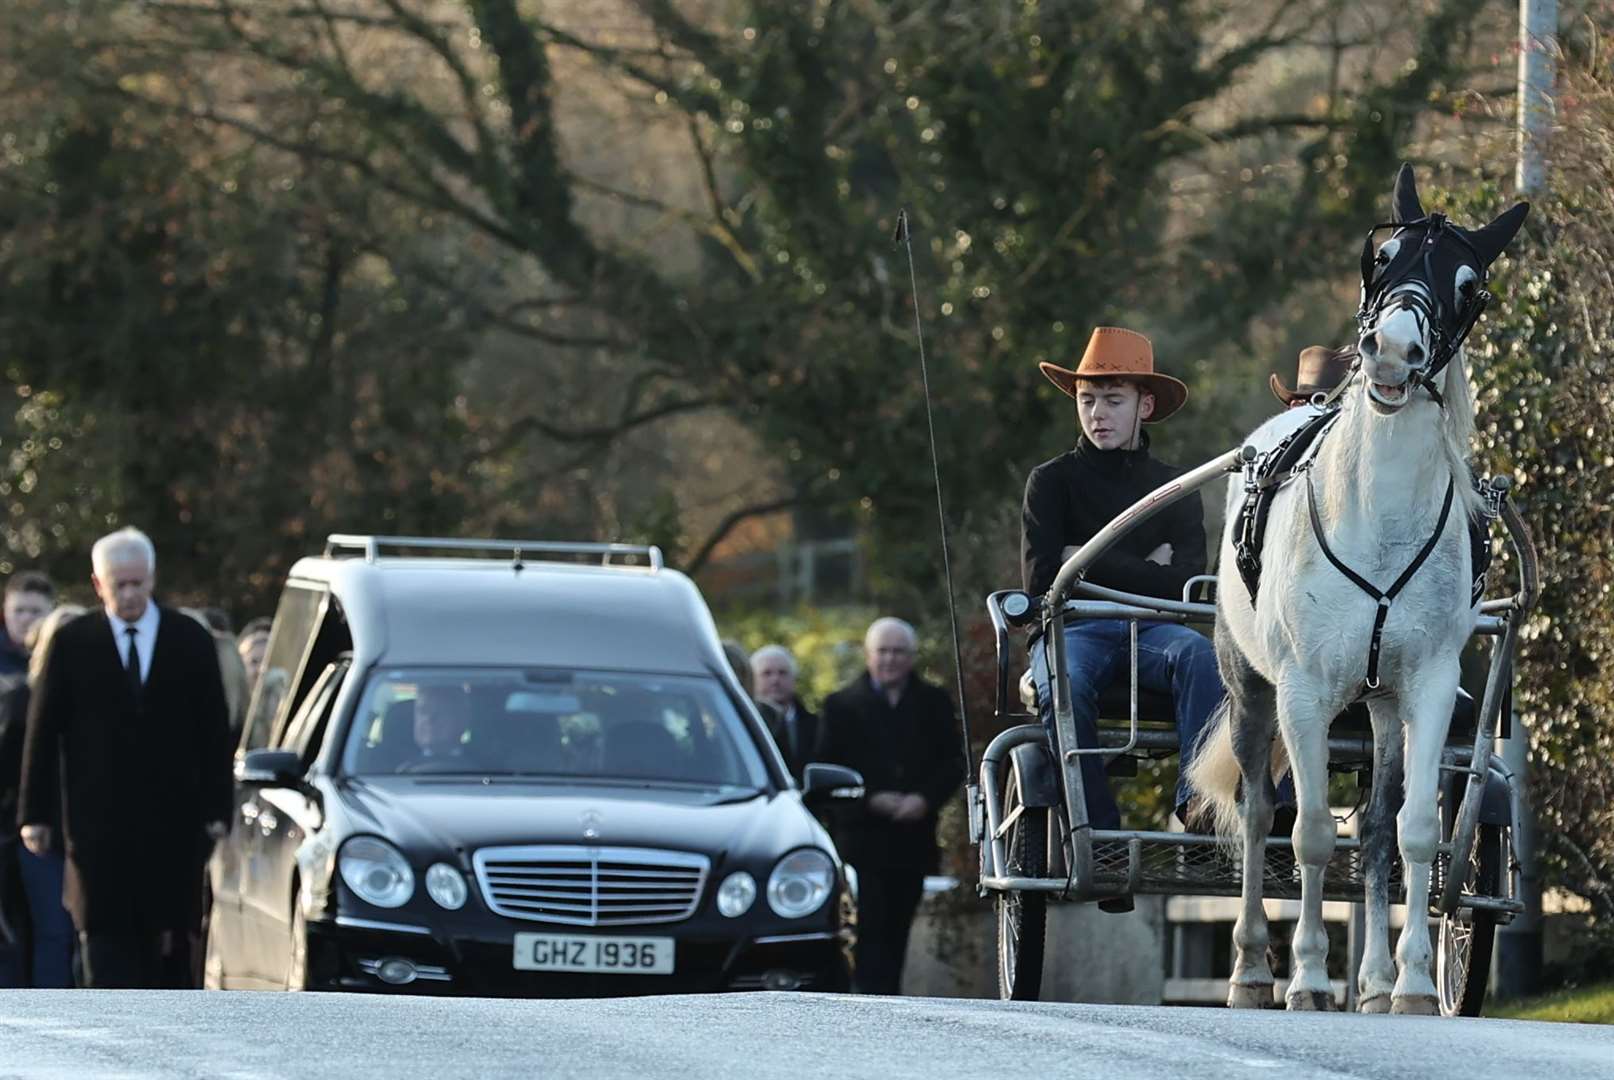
1517,969
1538,61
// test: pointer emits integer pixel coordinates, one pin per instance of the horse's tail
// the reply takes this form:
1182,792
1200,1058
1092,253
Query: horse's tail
1214,773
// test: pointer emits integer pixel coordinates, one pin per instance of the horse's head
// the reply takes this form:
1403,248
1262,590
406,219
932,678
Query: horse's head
1422,289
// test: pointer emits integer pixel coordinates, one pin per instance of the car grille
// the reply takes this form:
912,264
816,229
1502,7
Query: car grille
587,886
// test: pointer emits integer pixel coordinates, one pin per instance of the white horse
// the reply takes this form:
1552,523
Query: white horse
1389,482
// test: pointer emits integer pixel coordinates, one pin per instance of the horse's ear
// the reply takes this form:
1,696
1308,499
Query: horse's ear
1490,241
1407,206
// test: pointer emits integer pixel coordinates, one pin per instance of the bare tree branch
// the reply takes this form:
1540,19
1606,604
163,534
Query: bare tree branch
596,437
732,521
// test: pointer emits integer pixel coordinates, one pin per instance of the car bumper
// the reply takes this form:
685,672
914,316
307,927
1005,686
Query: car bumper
354,955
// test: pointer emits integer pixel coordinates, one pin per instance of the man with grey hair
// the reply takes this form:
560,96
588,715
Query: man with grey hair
128,737
797,730
899,731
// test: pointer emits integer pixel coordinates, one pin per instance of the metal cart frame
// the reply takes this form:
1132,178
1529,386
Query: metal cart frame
1032,793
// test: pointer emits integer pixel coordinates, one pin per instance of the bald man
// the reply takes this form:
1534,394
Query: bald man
900,732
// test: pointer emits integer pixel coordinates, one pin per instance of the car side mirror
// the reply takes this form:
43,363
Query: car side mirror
271,768
822,783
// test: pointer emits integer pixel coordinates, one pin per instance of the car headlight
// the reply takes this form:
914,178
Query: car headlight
446,885
737,893
376,871
800,883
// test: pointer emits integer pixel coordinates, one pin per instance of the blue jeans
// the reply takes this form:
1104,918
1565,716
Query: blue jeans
1171,658
53,933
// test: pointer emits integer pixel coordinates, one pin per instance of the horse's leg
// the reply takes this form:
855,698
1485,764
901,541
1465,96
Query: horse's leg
1377,977
1426,716
1304,720
1253,723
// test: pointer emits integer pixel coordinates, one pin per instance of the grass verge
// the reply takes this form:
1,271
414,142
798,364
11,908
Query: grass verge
1583,1005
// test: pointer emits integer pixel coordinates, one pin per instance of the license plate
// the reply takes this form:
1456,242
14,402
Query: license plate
599,955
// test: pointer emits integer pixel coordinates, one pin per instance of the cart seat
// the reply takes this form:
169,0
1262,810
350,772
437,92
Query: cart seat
1155,707
1114,702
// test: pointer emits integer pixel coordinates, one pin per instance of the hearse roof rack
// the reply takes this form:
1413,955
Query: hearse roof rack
339,544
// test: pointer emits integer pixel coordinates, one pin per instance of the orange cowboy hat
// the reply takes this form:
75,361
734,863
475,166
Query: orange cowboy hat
1114,353
1320,370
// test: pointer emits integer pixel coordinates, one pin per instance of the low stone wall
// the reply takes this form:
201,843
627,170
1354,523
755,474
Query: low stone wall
1092,956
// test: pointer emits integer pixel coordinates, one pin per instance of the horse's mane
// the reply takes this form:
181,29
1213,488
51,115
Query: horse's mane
1457,427
1456,430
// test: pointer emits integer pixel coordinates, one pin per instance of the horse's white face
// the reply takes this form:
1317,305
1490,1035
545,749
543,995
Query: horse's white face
1400,346
1392,353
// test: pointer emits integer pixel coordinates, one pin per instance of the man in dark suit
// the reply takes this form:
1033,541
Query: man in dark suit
900,733
795,727
128,736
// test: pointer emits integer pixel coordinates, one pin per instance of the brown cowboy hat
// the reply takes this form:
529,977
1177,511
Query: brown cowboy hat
1320,370
1114,353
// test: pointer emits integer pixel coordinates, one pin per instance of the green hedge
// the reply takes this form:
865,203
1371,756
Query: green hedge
1540,367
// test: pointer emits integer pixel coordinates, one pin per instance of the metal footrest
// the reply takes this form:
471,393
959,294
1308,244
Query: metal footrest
1184,863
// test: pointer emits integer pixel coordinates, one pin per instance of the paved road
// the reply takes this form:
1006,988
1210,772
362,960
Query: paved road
86,1034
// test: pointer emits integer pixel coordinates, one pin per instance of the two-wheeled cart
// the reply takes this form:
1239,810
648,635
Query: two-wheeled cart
1029,817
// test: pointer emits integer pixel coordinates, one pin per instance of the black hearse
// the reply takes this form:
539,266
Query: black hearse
503,773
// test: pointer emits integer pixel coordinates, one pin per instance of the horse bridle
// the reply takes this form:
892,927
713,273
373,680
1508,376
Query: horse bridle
1379,298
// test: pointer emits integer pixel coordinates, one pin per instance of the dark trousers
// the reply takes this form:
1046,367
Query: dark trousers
887,898
52,926
122,961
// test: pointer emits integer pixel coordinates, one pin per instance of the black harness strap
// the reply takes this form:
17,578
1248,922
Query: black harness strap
1275,469
1386,597
1381,297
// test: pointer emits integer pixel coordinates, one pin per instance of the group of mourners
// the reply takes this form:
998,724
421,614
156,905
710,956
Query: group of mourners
116,727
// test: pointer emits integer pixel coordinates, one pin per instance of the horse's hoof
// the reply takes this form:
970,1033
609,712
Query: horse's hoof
1415,1005
1310,1001
1251,996
1378,1003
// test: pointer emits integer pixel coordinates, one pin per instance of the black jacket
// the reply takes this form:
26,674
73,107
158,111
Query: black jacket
1072,497
13,903
913,747
13,660
136,781
808,743
13,727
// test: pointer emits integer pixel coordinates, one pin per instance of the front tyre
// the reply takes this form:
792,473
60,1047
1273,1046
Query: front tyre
297,949
1465,940
1022,916
212,962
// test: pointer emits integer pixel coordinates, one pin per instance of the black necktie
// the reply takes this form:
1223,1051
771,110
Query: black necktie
132,666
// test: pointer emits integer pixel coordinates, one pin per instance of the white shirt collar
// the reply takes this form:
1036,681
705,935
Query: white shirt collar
145,627
145,637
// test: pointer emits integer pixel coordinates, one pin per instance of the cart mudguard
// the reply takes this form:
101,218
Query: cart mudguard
1496,804
1035,776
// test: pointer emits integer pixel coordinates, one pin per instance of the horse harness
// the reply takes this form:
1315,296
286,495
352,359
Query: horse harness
1295,456
1380,298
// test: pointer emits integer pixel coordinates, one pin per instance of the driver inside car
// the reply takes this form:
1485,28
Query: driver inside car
1068,500
442,718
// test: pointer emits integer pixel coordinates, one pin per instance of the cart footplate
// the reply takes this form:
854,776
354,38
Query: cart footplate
1186,863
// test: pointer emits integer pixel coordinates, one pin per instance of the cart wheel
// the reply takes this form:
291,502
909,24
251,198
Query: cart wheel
1463,949
1022,916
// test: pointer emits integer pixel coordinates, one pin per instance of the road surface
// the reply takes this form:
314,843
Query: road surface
92,1034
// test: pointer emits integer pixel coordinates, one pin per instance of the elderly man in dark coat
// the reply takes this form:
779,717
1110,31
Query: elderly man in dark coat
128,738
794,726
899,731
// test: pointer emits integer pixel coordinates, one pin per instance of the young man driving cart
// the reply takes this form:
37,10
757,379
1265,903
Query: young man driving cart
1070,498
